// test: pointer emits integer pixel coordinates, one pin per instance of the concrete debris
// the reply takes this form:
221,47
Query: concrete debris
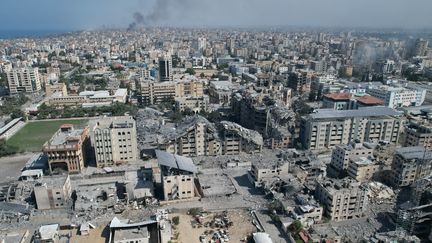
379,192
249,135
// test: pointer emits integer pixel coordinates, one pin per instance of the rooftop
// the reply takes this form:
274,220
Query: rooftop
66,135
414,152
338,96
362,161
131,234
175,161
370,100
375,111
48,232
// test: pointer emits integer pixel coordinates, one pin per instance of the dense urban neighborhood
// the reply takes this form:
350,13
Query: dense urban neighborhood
157,134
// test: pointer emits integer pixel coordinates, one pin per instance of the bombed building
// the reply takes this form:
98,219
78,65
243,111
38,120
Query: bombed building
196,136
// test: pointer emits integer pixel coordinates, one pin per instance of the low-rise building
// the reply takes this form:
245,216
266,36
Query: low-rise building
263,170
177,176
220,92
395,97
342,154
53,192
194,104
48,234
68,149
157,92
362,169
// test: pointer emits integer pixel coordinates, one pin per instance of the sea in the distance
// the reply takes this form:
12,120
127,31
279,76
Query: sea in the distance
10,34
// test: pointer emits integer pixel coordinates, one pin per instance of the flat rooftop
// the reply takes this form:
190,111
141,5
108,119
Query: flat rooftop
66,135
131,234
414,152
215,183
377,111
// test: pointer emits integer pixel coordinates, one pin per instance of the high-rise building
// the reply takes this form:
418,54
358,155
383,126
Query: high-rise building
114,140
23,80
327,128
420,47
165,69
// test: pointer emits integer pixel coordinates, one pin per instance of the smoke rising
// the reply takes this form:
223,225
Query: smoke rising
161,10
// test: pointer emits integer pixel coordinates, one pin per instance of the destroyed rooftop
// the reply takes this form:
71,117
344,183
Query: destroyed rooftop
250,135
182,127
339,184
67,135
53,181
175,161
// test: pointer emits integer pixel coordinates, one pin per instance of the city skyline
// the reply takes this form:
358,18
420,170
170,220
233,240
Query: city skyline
80,15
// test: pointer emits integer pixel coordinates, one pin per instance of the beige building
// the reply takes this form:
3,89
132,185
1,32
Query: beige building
196,136
195,104
68,149
114,140
411,164
342,199
157,92
327,128
267,170
342,154
23,80
177,176
193,136
220,92
362,169
53,192
56,88
178,187
418,134
85,98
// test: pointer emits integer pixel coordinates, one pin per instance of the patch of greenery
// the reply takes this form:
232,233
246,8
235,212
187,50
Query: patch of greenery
6,149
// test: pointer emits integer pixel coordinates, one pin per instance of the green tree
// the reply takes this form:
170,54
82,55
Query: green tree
190,71
6,149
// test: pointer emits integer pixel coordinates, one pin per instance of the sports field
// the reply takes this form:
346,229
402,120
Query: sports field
34,134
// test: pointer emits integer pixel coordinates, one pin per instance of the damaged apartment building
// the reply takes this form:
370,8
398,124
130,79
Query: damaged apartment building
68,149
266,110
196,136
177,175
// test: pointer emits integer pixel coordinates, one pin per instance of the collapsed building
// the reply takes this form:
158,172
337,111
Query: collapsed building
177,176
196,136
415,215
266,113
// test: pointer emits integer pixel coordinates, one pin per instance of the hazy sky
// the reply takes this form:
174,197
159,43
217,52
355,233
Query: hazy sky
90,14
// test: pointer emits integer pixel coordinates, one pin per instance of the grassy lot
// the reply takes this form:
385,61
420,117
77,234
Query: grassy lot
33,135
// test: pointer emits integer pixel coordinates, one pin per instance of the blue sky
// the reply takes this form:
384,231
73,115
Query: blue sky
91,14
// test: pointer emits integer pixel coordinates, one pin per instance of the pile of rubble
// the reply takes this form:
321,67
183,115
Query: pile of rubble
379,192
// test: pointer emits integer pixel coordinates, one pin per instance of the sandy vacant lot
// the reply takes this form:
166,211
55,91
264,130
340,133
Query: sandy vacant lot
241,228
11,166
